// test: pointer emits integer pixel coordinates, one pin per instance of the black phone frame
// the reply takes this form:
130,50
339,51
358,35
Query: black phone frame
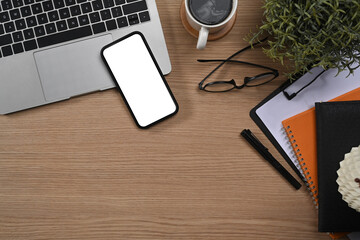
158,68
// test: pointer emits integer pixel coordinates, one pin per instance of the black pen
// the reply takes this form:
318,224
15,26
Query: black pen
250,137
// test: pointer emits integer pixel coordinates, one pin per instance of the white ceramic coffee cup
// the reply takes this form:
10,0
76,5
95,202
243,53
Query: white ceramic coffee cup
205,29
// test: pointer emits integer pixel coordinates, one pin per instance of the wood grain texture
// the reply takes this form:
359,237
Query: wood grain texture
80,169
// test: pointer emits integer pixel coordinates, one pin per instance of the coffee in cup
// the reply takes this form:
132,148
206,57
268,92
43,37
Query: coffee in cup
210,12
204,17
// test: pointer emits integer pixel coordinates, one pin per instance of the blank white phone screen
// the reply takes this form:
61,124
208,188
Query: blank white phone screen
139,80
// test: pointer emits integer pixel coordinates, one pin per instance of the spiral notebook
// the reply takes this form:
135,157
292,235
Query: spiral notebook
301,131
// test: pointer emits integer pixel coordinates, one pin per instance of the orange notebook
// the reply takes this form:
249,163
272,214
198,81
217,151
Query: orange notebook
301,131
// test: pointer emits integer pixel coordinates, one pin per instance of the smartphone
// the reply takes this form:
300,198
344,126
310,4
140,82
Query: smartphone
137,75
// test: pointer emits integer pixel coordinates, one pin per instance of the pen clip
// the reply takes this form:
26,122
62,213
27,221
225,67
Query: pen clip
252,137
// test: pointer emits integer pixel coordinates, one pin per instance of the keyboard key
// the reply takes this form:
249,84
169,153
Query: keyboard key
116,12
18,36
108,3
133,19
7,51
50,28
61,25
81,1
64,13
111,24
48,6
6,4
72,22
122,22
30,45
15,14
29,34
28,2
70,2
59,4
36,8
129,1
97,5
119,2
18,48
31,21
75,10
20,24
64,36
134,7
2,31
42,18
25,11
99,27
4,17
53,16
18,3
105,14
86,7
9,27
39,31
83,20
94,17
5,40
144,16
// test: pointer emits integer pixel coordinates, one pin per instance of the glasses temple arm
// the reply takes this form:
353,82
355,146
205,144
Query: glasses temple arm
237,61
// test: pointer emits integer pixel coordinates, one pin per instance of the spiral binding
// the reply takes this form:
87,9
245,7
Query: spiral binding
302,165
290,149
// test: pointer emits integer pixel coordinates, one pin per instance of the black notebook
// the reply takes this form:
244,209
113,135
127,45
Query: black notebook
338,131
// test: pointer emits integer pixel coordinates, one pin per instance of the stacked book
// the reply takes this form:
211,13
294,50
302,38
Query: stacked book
313,132
320,138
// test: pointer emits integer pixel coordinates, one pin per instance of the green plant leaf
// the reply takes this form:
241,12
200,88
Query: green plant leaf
323,32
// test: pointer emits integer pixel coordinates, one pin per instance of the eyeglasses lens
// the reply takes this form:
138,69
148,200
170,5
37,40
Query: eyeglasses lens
219,87
260,79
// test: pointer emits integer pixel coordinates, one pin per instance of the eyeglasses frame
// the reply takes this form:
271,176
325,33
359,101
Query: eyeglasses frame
274,72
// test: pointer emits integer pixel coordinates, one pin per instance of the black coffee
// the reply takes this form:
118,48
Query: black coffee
210,12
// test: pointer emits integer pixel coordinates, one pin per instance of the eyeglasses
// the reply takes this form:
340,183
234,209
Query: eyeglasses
225,86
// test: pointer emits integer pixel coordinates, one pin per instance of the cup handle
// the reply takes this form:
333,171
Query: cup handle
203,36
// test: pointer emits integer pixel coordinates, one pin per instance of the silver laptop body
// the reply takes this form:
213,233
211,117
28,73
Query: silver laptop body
72,68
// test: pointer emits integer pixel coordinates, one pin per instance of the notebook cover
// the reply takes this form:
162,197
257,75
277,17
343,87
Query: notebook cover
301,131
338,129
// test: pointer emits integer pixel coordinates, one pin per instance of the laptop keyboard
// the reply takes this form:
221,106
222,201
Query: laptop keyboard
26,25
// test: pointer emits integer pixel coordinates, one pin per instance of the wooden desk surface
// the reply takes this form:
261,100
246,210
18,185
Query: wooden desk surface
81,169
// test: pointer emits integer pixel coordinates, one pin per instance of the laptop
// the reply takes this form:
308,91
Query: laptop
50,50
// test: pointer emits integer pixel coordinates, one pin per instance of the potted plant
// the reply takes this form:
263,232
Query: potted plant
312,33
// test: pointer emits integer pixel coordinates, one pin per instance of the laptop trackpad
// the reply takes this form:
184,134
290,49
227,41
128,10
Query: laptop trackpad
73,69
